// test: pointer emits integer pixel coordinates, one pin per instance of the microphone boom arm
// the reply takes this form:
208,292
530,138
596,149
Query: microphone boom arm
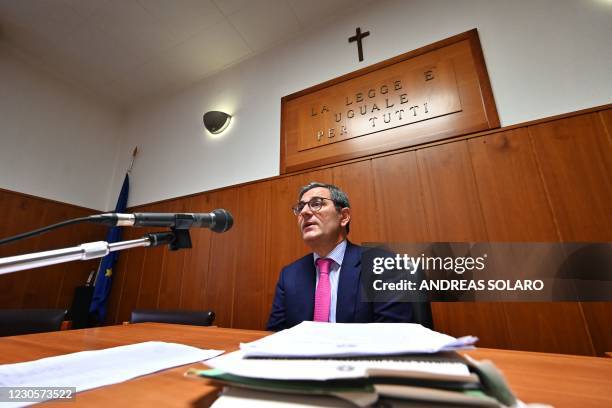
83,252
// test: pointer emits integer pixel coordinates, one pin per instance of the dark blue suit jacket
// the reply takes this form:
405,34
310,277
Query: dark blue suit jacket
295,293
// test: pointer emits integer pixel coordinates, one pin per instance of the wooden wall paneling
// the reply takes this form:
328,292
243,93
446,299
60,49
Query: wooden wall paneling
575,157
18,210
599,314
510,190
51,286
470,191
284,238
453,213
5,200
450,197
118,286
398,198
219,290
250,310
552,327
515,208
150,279
9,283
75,273
485,320
42,284
357,181
127,277
195,266
606,118
172,267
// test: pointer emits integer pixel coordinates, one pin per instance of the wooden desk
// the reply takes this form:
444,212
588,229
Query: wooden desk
560,380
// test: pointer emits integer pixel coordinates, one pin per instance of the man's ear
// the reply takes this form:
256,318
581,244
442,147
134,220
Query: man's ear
345,215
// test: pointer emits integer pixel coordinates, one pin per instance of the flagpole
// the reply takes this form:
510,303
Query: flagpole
129,171
134,153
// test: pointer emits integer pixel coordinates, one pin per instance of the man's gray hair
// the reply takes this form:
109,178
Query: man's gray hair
338,196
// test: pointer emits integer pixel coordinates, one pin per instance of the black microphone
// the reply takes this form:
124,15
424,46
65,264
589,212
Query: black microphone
218,221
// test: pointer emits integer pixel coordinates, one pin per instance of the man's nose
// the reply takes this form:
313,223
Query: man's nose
306,210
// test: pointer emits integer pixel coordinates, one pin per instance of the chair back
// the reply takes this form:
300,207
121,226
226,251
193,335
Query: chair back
14,322
191,317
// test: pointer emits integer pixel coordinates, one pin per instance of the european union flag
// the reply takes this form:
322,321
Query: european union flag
97,308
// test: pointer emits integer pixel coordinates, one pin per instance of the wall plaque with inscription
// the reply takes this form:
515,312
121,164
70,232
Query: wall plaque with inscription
435,92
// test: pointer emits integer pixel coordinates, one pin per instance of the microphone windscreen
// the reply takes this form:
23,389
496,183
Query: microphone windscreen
223,220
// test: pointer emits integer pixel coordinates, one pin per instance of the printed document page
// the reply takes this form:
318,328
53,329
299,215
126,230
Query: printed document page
90,369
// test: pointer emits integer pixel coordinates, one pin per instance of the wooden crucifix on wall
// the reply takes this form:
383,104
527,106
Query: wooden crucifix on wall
358,37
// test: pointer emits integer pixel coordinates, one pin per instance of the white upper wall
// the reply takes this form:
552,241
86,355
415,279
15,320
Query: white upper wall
55,141
544,57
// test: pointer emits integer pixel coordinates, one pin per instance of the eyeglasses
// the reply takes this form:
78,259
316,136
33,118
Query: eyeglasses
315,204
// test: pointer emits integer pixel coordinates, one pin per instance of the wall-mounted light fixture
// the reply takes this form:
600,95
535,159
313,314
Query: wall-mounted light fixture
216,121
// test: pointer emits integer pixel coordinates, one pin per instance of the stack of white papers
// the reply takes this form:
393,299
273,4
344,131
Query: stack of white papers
324,351
316,339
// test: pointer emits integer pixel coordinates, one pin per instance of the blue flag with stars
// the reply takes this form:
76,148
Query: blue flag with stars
97,308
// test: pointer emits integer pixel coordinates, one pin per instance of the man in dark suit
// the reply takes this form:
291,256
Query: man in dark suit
326,284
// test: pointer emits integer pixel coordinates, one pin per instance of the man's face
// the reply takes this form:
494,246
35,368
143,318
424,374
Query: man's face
324,226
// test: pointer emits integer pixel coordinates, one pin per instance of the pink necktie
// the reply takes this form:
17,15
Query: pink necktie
323,293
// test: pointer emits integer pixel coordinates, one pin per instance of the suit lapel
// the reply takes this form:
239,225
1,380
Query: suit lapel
348,284
306,288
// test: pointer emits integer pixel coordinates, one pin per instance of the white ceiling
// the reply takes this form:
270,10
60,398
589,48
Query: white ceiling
127,50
